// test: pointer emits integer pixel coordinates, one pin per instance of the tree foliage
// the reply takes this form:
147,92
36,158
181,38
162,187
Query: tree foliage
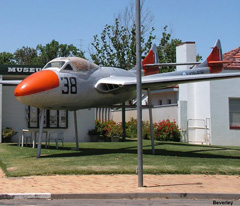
41,54
6,58
26,56
117,46
54,49
167,50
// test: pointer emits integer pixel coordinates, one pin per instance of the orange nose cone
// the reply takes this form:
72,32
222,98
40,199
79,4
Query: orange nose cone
38,82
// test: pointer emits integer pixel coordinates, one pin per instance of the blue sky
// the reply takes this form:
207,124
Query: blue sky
29,22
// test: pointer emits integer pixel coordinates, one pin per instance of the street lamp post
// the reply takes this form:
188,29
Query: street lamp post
139,94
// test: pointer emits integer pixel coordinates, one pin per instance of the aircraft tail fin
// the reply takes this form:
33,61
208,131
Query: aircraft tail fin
151,58
215,60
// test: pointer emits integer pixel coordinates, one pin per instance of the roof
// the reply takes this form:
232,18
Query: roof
233,57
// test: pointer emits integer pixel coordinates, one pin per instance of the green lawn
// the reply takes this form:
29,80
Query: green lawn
120,158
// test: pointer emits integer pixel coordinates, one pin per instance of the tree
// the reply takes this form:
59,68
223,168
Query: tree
41,55
54,49
127,18
167,50
26,56
199,58
6,58
116,46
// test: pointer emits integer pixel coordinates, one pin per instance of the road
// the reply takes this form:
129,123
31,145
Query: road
138,202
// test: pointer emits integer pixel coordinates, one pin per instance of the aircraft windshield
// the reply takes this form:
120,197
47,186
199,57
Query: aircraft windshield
57,64
80,64
72,64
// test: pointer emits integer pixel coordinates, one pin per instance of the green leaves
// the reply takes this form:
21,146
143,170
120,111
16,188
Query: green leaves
41,54
26,56
167,50
116,46
167,131
6,58
54,49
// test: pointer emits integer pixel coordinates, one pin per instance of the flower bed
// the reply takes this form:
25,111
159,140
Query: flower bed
164,130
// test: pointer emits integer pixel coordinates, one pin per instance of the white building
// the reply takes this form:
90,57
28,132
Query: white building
209,111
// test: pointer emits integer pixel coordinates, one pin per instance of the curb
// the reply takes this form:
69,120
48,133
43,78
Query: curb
25,196
121,196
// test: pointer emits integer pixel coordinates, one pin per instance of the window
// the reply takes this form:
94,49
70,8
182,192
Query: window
52,119
57,64
53,116
68,68
234,113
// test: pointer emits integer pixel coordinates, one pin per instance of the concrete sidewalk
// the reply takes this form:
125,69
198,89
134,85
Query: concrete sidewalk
122,186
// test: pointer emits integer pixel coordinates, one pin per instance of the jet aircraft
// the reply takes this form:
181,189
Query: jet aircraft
73,83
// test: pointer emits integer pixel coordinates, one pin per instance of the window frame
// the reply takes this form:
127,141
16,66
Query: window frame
52,62
231,112
35,118
63,69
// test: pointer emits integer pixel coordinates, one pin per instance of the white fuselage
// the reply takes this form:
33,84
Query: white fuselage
77,90
74,83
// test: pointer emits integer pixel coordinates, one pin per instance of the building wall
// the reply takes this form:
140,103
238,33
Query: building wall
207,106
159,114
221,91
86,121
15,115
164,97
196,98
194,105
198,118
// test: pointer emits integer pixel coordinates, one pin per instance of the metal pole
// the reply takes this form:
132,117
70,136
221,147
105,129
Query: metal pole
76,130
1,108
42,112
139,94
151,119
124,121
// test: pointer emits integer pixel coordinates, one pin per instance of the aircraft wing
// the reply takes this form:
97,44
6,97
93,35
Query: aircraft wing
10,82
158,81
172,64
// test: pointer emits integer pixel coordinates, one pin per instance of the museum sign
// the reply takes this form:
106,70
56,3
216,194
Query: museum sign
18,69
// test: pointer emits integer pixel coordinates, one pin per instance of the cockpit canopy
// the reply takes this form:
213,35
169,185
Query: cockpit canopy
71,64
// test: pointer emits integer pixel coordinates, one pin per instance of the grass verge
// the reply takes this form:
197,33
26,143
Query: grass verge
120,158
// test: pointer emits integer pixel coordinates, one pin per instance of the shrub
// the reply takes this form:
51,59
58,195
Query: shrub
7,134
109,128
146,130
167,131
131,128
114,129
164,130
98,127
